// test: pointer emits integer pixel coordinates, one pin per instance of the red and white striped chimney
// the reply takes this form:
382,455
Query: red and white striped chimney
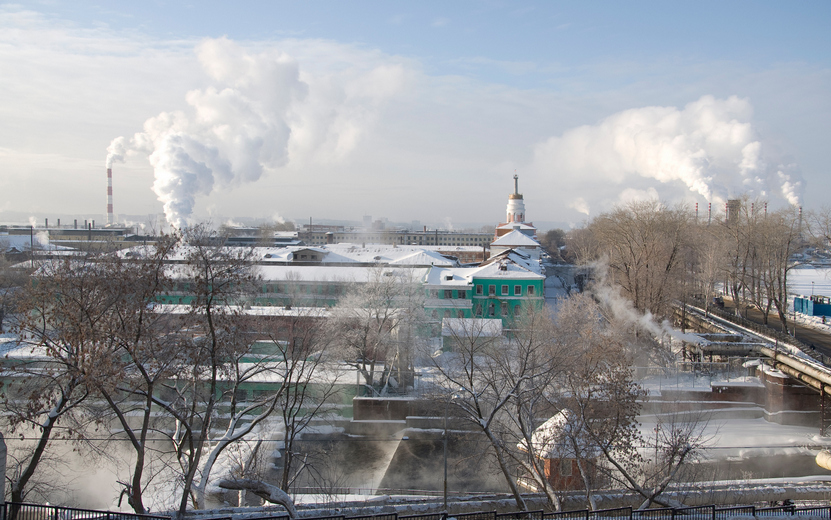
109,196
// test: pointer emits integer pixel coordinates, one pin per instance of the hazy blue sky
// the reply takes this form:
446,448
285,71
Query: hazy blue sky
410,110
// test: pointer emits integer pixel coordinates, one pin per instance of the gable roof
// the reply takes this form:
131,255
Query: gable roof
515,238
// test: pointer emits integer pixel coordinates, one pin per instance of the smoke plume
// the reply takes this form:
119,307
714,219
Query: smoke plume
709,147
256,116
117,151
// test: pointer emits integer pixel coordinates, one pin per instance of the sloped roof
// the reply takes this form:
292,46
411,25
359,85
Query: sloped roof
515,238
515,225
506,268
556,439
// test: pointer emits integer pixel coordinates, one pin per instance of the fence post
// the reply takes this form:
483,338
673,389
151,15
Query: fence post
3,474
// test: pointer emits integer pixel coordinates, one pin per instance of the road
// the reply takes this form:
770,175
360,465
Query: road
819,340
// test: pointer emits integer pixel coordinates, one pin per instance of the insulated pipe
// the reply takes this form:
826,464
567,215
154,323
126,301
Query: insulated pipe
810,375
804,378
824,459
819,375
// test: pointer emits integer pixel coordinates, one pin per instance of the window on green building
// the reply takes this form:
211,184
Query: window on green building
479,290
530,290
517,290
504,290
504,309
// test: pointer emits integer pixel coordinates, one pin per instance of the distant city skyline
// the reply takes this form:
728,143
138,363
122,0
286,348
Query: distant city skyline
410,111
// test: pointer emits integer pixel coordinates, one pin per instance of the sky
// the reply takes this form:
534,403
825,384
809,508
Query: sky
410,110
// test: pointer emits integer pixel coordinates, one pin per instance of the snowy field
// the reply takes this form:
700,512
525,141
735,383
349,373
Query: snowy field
799,281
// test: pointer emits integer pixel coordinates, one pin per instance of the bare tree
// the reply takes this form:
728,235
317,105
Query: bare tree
376,325
472,377
292,355
537,364
62,323
603,403
644,245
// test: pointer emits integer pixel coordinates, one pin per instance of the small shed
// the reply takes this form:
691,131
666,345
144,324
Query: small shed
554,442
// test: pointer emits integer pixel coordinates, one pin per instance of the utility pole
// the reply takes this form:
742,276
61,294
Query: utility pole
445,456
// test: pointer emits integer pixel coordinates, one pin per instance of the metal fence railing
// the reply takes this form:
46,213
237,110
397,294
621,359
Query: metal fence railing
20,511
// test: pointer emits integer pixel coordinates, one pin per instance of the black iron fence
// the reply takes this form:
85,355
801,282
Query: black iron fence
17,511
20,511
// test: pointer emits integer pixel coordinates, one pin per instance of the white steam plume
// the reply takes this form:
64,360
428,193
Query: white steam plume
623,310
709,147
258,114
117,151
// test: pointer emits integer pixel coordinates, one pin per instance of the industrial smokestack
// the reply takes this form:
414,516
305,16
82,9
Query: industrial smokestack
109,196
800,221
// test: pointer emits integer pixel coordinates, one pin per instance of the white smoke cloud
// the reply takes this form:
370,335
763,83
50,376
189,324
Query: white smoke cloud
624,311
580,205
709,147
260,114
630,195
117,151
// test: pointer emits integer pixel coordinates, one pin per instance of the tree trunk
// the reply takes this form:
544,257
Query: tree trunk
18,486
267,492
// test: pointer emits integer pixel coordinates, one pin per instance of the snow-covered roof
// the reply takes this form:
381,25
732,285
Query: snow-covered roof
512,266
506,268
515,238
518,257
556,437
254,310
416,256
515,225
450,276
324,273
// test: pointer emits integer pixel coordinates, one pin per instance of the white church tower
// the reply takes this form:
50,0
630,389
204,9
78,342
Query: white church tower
516,216
516,205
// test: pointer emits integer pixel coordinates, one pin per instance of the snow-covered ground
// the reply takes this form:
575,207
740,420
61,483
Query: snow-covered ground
800,278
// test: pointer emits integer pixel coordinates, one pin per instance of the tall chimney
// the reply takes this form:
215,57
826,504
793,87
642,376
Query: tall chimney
109,196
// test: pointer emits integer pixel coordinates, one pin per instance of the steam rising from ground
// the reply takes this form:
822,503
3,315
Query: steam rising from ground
260,113
709,147
623,311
